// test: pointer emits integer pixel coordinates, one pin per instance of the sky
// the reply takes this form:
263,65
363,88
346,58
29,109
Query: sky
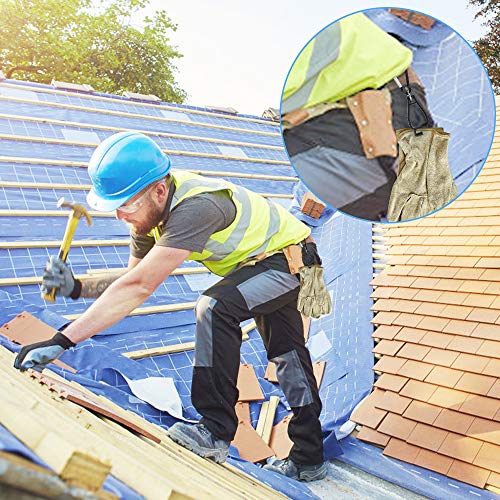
237,53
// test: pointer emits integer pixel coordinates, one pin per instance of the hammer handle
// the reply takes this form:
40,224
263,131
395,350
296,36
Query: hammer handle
63,251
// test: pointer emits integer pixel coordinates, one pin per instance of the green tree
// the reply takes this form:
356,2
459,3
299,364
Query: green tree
82,41
488,47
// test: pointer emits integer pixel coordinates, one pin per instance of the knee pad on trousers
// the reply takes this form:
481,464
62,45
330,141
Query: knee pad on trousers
292,379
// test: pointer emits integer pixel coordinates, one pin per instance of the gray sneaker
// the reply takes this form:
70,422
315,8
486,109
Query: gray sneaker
298,471
199,440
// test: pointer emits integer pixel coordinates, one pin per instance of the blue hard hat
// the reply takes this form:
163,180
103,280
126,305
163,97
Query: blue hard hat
121,166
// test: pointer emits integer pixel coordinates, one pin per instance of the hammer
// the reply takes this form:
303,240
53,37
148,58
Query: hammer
76,213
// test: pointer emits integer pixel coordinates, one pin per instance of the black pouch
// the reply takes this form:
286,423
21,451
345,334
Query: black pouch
310,255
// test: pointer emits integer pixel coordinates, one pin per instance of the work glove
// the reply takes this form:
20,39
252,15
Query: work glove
314,299
59,276
40,354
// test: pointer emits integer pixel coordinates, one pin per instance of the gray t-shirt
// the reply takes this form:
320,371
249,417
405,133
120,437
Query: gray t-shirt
190,224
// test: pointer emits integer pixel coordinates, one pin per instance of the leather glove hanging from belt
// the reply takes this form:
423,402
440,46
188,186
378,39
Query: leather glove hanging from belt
314,299
40,354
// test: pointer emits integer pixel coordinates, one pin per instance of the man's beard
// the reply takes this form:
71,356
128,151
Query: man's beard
153,218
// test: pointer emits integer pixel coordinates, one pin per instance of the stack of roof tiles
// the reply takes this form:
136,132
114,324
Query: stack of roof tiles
436,403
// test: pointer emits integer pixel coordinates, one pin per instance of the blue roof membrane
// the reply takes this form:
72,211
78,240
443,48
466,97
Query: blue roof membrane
342,339
458,90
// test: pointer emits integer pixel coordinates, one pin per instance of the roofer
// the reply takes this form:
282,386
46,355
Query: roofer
235,233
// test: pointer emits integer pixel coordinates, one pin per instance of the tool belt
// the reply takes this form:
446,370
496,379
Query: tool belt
293,254
372,114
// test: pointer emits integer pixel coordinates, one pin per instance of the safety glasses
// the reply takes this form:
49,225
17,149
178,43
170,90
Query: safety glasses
130,208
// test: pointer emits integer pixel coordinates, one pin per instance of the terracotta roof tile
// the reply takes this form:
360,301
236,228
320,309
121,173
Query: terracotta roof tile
488,457
422,412
444,376
404,293
415,369
396,426
435,339
426,436
429,283
388,364
453,421
464,344
383,305
491,274
468,473
479,300
477,384
441,357
433,323
393,402
390,347
483,331
485,430
409,334
405,306
426,295
407,319
401,450
386,332
452,297
413,351
451,285
480,406
373,436
494,480
433,461
460,327
430,308
469,273
383,292
494,392
456,312
366,413
470,363
448,398
460,447
490,348
492,367
421,391
390,382
384,318
484,315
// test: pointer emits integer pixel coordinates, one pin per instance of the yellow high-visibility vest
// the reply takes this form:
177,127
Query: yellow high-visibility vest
259,225
348,56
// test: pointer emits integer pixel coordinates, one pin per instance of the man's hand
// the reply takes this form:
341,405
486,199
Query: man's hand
40,354
59,276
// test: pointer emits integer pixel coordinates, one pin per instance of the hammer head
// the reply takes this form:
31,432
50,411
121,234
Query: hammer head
78,210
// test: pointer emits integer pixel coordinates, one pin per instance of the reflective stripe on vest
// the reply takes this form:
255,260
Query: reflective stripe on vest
348,56
259,225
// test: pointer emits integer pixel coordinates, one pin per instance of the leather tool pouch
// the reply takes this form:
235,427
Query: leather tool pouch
304,254
371,110
293,254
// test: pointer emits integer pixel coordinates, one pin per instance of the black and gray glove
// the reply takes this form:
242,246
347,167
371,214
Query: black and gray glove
40,354
59,276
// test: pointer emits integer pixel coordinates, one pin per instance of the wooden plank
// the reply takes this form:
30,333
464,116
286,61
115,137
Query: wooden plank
149,310
64,142
50,213
115,101
170,349
153,133
86,187
266,418
66,106
208,173
153,463
36,280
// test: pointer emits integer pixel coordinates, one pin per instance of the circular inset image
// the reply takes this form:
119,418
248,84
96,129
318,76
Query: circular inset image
387,114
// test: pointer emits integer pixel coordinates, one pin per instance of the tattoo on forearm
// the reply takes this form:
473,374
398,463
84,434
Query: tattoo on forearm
95,286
